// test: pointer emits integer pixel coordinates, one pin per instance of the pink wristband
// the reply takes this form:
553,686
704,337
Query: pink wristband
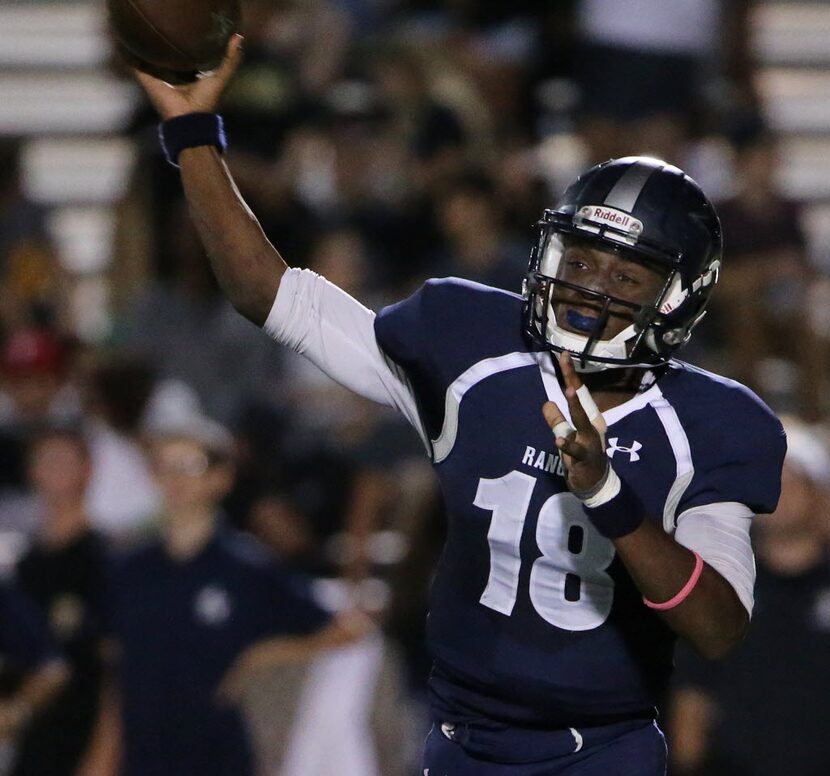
684,592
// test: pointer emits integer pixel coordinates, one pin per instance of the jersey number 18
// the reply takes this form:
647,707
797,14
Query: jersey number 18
569,583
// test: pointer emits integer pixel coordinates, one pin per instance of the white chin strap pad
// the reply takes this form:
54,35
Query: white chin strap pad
576,343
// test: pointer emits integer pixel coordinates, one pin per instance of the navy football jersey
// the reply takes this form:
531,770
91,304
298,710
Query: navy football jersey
533,620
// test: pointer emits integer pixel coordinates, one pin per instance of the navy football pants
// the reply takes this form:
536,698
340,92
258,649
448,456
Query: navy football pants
636,751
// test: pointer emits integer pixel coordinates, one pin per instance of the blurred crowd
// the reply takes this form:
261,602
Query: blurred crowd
380,142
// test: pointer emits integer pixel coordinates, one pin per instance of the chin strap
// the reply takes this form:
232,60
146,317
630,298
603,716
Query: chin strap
576,344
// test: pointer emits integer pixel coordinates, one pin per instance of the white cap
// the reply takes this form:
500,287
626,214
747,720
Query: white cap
213,436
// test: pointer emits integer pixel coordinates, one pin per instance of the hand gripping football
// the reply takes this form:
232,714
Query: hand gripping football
173,39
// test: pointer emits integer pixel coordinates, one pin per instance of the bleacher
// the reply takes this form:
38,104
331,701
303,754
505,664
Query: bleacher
56,90
793,44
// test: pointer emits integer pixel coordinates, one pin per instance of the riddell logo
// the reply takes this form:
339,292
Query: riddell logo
611,217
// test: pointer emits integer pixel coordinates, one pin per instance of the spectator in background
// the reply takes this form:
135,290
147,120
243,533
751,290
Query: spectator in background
36,390
643,65
763,711
32,670
497,45
63,573
763,309
184,330
35,368
426,144
475,243
195,614
341,251
30,274
430,128
296,51
122,497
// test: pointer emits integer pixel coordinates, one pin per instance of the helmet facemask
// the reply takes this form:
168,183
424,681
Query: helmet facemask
545,289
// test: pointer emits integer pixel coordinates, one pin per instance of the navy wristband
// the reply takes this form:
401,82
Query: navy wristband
191,131
618,516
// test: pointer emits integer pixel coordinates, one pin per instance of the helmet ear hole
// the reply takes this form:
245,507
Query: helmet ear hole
643,319
680,335
674,337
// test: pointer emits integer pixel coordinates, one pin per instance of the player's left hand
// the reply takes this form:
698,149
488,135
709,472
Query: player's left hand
583,451
200,96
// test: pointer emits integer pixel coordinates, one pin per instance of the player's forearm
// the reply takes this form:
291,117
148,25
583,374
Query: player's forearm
246,265
712,618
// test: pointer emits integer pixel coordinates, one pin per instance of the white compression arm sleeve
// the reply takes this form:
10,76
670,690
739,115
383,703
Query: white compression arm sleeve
336,333
719,533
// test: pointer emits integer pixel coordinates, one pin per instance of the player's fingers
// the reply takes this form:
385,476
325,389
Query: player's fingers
147,81
151,84
211,85
556,420
233,57
579,416
572,448
162,95
569,373
214,81
573,384
207,91
591,409
572,379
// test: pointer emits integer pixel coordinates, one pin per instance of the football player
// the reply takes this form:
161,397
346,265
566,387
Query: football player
574,559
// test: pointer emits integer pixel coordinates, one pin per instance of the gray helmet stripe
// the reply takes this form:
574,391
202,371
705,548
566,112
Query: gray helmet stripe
628,188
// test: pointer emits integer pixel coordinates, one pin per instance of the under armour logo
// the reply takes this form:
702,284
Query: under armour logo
633,455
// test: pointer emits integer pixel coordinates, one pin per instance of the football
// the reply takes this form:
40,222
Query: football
173,39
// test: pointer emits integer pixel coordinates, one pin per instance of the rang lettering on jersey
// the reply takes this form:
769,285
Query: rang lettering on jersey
544,461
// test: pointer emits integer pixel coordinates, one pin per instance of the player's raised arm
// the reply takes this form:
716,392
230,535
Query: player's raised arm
312,316
246,265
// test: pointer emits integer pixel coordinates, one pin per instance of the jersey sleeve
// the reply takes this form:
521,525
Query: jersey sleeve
737,456
444,329
746,473
336,333
402,330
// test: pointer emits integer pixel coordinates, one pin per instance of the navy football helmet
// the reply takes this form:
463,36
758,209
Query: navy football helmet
648,211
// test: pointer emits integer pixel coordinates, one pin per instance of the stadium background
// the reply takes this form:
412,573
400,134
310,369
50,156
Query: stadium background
380,142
